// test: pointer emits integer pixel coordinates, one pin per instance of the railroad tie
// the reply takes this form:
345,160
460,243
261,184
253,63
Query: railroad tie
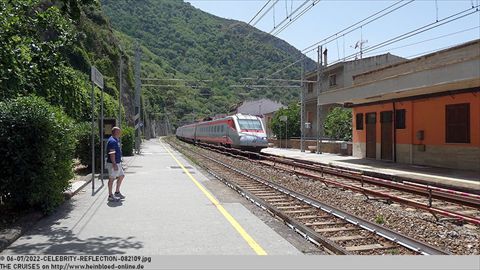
292,207
325,223
312,216
276,200
265,193
347,238
272,197
339,229
310,210
282,203
369,247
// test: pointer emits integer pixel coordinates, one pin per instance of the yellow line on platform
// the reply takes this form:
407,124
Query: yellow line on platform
251,242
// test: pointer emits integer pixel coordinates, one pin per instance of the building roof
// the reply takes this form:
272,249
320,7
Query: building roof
446,70
343,63
257,107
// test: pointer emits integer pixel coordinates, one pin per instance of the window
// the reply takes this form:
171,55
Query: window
333,80
371,118
310,87
386,117
400,119
309,117
359,121
250,124
457,123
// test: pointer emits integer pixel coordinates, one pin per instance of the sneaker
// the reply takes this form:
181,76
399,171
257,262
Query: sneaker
113,198
119,195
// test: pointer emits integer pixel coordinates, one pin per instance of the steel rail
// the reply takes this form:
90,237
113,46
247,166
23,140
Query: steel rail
391,184
381,231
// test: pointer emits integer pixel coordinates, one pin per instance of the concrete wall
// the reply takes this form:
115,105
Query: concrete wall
344,72
461,53
428,115
334,147
443,71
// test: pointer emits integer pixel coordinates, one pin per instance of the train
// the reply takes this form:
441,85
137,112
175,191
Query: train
241,131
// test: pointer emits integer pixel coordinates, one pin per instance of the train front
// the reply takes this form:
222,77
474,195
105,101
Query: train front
252,135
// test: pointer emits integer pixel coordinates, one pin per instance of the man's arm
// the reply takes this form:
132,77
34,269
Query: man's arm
111,154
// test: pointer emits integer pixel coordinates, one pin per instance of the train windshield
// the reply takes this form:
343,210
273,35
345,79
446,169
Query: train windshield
250,124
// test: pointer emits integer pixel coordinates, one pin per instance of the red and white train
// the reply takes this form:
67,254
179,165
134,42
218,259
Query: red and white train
237,131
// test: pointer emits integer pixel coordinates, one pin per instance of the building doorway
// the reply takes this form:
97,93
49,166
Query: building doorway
371,135
386,121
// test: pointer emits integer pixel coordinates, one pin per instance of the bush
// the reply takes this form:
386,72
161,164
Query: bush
292,124
83,150
37,143
128,139
338,124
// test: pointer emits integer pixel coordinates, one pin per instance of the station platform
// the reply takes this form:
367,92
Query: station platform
461,180
168,210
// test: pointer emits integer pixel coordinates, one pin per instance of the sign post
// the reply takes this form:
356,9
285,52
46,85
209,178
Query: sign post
97,79
284,118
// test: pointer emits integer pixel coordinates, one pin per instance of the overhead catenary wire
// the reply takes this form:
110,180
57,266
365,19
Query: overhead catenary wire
264,6
359,24
430,39
417,31
343,32
289,15
265,13
292,20
431,51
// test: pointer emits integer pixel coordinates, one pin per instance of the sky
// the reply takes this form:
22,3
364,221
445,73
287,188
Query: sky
328,17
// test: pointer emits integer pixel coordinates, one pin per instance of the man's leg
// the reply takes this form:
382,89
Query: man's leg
119,183
110,185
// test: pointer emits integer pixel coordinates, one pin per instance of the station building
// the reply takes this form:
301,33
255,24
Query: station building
336,76
423,111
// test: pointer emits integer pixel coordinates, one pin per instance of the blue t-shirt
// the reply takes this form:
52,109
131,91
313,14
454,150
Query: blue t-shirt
114,145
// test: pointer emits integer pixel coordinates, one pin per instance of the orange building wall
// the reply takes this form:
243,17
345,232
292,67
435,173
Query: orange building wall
424,114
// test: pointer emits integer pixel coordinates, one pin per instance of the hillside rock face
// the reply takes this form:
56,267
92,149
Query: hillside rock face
193,41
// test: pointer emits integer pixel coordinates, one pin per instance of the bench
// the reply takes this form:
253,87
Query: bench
312,148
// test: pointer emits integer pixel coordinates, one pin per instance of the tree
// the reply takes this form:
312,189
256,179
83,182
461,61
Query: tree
338,124
293,122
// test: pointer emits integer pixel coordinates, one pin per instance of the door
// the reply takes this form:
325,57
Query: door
386,119
371,135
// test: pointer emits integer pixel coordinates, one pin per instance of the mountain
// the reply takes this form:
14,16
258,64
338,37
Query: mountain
180,41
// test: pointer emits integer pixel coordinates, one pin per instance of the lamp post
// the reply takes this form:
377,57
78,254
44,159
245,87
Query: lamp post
120,73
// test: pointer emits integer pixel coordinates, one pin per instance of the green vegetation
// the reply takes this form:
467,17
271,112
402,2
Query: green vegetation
338,124
292,125
180,41
38,45
379,219
46,50
128,141
84,148
37,143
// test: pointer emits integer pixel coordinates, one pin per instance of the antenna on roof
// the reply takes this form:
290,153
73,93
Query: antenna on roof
360,43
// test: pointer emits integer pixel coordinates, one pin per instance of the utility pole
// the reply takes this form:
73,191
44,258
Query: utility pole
319,89
138,86
119,124
302,110
93,134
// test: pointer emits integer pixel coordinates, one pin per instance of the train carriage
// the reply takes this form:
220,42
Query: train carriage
237,131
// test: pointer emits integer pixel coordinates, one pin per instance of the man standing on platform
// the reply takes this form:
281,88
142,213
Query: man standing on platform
114,165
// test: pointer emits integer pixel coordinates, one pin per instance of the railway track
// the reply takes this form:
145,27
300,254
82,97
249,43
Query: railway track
443,204
337,231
